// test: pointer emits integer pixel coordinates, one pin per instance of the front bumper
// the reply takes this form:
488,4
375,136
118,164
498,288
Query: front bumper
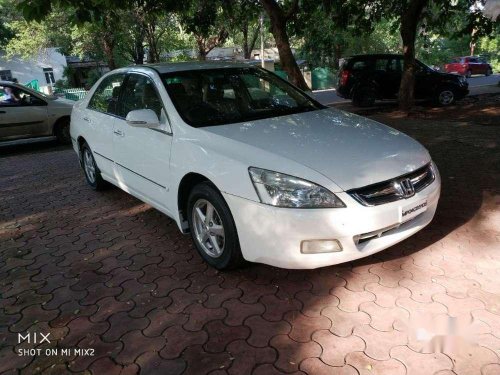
273,235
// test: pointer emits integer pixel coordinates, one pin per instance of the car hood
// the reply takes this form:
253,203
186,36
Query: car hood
350,150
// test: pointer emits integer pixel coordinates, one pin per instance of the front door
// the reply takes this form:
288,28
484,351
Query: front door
22,115
100,117
142,156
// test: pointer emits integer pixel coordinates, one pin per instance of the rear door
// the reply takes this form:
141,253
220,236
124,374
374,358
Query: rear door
474,65
22,115
393,73
99,118
142,156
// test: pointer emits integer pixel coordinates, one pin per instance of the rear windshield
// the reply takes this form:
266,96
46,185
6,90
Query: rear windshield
232,95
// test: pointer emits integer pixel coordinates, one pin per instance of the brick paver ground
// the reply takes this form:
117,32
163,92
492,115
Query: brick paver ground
107,272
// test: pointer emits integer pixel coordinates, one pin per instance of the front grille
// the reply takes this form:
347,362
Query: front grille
401,187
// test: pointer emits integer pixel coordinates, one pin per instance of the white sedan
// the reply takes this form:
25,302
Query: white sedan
25,113
252,167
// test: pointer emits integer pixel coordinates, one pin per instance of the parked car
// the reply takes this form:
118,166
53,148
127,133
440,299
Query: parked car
251,166
468,65
366,78
25,113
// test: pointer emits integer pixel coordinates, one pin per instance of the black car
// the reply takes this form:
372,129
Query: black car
366,78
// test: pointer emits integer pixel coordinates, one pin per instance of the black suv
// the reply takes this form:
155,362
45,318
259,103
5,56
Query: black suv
365,78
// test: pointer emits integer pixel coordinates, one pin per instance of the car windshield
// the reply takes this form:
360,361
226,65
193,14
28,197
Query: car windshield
211,97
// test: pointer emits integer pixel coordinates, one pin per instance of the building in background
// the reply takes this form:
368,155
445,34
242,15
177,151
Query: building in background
46,68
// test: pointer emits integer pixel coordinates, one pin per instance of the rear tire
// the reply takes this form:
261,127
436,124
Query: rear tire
90,169
62,131
489,72
212,228
364,97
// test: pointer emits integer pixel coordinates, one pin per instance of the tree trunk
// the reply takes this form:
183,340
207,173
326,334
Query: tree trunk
108,49
337,55
278,29
244,30
139,50
409,22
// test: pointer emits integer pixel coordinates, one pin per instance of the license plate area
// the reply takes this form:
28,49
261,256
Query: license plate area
410,211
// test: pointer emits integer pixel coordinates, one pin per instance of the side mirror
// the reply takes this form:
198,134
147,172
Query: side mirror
143,118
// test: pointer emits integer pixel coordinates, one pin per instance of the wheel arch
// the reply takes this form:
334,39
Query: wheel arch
58,123
186,184
80,141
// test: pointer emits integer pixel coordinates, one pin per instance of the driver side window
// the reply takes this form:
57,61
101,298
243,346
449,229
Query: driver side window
106,95
12,96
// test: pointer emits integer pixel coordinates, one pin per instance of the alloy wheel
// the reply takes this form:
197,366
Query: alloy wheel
89,165
446,97
208,228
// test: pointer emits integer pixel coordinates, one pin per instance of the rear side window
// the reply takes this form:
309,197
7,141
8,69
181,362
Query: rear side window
105,97
381,65
360,65
395,65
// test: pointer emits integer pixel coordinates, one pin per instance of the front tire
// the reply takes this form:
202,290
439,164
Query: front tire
90,169
489,72
468,74
212,228
445,96
62,131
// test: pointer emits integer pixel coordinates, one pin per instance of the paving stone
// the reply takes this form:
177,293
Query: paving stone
417,363
262,330
179,339
335,348
304,326
245,357
152,363
343,322
317,367
386,319
379,343
349,300
366,365
387,296
291,353
239,311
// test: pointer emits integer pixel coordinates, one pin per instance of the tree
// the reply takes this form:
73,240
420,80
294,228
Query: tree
244,17
205,20
280,15
410,17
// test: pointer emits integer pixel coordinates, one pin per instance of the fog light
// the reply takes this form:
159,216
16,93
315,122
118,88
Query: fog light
320,246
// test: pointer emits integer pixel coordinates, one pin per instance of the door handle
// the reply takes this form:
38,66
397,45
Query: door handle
119,132
86,119
2,111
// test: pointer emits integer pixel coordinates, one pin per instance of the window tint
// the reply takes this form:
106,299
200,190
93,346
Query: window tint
360,65
222,96
13,96
106,95
381,65
395,66
472,60
139,92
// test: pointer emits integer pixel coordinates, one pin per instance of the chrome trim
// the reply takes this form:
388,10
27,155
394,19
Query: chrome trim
402,187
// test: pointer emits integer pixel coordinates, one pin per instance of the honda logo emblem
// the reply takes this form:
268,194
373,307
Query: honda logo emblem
406,188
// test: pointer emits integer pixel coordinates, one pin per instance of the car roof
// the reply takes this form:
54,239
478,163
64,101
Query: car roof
190,65
374,55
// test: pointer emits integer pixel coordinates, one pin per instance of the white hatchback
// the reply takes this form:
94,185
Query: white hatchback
251,166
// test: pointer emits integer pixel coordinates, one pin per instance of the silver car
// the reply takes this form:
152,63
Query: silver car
25,113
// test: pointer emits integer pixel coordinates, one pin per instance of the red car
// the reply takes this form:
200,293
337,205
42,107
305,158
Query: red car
468,66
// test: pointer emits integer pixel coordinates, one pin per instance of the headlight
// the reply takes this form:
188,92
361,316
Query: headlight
282,190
